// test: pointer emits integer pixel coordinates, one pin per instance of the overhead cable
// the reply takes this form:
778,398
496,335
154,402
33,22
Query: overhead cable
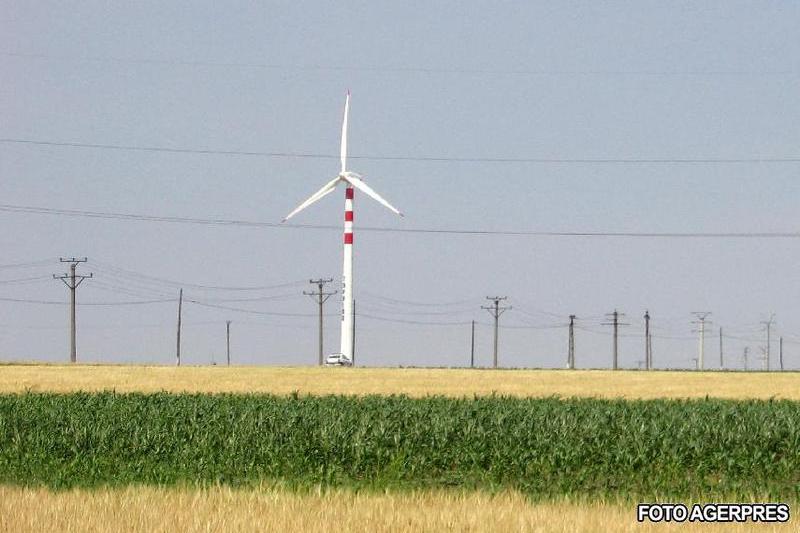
434,231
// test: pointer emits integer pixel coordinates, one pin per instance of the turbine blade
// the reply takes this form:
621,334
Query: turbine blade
359,184
344,131
324,191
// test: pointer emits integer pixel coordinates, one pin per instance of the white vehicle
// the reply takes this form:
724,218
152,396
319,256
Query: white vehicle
338,359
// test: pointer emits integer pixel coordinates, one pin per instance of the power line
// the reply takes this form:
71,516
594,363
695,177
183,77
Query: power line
108,327
110,287
130,273
40,262
24,280
388,309
417,303
467,232
402,69
753,339
250,311
429,159
99,304
129,291
412,322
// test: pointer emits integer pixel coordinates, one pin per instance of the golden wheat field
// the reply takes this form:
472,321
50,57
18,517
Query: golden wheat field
411,381
223,509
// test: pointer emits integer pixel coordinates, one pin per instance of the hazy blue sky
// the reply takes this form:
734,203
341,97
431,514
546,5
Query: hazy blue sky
563,80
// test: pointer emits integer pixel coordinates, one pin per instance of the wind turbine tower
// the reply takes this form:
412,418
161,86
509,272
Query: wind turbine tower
352,182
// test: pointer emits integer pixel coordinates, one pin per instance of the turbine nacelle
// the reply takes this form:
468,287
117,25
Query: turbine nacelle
351,178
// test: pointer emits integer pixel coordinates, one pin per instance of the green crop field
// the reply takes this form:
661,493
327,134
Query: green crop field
542,447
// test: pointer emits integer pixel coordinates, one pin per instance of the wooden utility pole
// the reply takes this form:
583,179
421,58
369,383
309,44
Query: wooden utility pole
571,349
178,339
321,297
472,347
72,280
228,340
496,310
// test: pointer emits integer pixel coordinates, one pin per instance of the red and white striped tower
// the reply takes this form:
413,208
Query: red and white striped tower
353,182
347,275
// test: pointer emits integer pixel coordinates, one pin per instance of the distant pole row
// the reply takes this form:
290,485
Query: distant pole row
72,280
614,320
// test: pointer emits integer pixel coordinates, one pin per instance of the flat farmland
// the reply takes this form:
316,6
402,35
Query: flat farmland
414,382
555,450
158,509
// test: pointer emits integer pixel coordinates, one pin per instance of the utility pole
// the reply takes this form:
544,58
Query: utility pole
614,317
472,347
768,324
321,297
228,340
178,340
571,352
648,355
701,321
744,356
496,310
721,360
780,352
72,280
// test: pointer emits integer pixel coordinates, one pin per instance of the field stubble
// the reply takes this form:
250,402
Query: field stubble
156,509
413,382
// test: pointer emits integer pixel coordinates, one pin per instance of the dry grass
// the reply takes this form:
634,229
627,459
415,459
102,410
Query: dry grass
414,382
224,509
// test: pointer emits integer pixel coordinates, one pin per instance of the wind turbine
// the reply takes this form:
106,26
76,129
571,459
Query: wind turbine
352,181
